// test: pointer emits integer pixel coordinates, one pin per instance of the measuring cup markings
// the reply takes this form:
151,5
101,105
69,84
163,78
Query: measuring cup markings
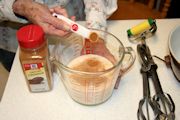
91,87
95,90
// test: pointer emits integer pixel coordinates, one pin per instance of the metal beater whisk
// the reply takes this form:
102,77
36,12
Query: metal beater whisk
146,100
161,103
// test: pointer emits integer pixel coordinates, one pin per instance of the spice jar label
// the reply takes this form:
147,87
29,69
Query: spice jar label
36,76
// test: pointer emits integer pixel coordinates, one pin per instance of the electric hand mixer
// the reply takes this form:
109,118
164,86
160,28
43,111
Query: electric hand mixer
161,103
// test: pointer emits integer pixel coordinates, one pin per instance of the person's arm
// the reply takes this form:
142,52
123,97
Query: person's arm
41,15
97,11
7,13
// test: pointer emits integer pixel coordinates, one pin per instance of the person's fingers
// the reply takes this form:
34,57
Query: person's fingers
73,18
58,33
57,23
50,29
53,26
51,10
60,10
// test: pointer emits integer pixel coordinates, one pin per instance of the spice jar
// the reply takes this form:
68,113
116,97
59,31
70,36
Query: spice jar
34,58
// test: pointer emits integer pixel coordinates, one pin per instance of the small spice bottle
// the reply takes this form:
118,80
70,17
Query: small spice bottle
34,58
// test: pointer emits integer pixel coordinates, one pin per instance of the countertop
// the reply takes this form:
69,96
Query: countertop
19,104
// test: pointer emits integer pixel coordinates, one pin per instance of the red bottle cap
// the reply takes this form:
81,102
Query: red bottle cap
30,36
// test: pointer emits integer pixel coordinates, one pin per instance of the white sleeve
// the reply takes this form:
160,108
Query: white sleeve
6,12
97,11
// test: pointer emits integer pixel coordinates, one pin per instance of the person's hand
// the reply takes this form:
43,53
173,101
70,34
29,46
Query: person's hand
41,15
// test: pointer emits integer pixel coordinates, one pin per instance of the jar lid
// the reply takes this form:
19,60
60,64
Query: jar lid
30,36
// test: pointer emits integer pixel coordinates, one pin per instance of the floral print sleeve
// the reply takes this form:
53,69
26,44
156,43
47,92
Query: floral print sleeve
97,11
